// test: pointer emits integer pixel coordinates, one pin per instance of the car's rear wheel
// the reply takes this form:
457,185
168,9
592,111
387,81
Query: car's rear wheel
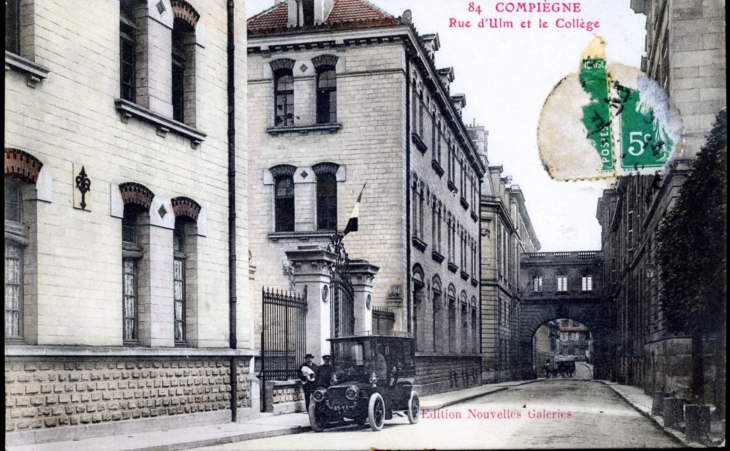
376,412
316,418
414,408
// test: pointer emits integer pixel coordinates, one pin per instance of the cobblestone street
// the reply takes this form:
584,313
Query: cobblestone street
559,413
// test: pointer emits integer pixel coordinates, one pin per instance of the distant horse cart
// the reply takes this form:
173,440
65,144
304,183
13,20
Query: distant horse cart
561,369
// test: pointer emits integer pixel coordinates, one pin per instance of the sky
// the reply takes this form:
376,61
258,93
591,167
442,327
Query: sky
506,75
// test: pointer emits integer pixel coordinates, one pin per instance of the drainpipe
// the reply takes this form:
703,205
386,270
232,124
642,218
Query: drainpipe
232,208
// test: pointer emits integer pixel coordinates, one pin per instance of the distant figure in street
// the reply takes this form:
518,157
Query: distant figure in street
307,374
324,373
547,369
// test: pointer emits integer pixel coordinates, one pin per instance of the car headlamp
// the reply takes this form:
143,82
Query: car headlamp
319,394
352,392
373,377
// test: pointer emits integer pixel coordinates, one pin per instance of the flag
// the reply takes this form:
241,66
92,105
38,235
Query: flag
352,222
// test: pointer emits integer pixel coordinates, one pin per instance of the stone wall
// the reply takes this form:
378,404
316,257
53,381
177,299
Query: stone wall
48,393
437,374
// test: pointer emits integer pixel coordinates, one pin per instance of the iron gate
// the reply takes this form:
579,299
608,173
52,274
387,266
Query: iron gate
342,310
283,335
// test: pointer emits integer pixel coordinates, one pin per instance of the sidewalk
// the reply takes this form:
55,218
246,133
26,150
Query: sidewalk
642,403
219,434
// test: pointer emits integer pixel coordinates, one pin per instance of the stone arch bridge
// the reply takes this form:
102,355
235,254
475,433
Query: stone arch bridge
563,285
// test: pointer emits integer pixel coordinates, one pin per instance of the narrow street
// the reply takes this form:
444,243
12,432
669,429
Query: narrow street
557,413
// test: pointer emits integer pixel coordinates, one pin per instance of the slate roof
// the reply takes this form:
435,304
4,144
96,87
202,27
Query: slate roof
345,14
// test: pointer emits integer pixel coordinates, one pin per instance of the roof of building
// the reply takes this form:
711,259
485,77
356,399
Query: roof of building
345,14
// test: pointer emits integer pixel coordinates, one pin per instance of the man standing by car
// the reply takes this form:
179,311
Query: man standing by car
307,375
324,373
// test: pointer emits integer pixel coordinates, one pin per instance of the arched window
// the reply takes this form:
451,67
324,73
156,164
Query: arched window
326,96
183,75
23,173
183,61
326,202
284,200
438,323
132,252
452,318
185,270
284,98
474,326
135,237
464,324
179,289
421,208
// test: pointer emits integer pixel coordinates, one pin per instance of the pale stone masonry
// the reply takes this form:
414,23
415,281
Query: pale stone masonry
64,111
506,234
685,53
399,130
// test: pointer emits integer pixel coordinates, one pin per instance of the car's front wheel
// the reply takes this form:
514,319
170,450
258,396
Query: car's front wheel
376,412
316,417
414,408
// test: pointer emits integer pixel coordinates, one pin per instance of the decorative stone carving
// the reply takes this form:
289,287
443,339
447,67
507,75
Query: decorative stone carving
395,291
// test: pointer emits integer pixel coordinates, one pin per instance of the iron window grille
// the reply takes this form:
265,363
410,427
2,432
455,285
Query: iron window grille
13,265
284,98
327,96
179,292
284,204
130,277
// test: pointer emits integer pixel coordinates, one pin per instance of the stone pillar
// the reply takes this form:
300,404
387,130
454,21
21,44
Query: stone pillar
362,274
311,270
657,405
673,412
697,421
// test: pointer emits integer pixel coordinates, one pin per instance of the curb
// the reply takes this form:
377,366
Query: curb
472,397
227,440
676,436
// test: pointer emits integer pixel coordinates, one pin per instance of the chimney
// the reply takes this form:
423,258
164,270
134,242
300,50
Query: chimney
459,102
446,75
431,43
304,13
479,136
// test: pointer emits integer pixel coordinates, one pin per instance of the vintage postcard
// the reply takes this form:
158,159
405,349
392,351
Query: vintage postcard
364,224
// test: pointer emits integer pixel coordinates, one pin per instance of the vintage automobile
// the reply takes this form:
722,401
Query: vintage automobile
372,380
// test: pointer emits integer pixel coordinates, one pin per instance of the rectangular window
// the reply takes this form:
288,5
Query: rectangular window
326,202
284,93
178,76
12,26
13,290
327,97
179,295
284,200
587,283
562,283
537,283
130,299
127,52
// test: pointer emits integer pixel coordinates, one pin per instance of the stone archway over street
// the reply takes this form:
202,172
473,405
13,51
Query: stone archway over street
563,285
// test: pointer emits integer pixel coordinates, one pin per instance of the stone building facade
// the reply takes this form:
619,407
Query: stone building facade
342,94
685,53
563,286
121,130
506,234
